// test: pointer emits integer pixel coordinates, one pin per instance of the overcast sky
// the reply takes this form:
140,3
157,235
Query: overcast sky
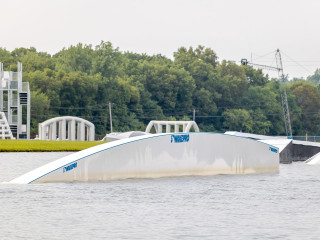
234,29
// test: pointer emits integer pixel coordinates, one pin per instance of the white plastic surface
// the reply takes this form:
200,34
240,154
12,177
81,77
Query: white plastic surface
315,160
279,143
161,155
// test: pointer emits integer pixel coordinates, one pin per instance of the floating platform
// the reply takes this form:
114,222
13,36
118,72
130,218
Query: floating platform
161,155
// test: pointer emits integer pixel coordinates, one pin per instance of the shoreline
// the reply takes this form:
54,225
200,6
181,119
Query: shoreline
8,145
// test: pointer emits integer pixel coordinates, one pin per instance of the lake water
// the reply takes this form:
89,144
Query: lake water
269,206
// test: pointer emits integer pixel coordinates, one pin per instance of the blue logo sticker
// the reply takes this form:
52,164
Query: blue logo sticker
273,149
180,138
70,167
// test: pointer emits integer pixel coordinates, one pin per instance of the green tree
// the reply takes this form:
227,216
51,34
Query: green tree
307,97
186,57
81,80
255,77
40,110
75,59
238,120
231,83
9,62
315,78
261,124
107,61
265,107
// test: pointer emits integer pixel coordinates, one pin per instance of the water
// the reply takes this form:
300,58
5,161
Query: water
270,206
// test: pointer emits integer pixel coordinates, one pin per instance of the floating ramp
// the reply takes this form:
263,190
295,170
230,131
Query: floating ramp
315,160
161,155
294,150
285,148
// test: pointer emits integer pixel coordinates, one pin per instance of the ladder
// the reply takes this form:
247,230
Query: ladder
5,131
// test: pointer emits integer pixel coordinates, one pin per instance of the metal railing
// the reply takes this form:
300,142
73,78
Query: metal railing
307,138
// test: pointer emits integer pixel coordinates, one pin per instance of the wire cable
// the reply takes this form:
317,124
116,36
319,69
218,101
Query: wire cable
259,57
297,63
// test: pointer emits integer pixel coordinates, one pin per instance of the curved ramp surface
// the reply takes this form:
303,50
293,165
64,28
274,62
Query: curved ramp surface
160,155
315,160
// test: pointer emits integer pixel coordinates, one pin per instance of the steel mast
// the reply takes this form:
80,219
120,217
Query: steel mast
283,95
283,92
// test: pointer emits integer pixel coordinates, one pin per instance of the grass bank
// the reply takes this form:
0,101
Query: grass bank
44,146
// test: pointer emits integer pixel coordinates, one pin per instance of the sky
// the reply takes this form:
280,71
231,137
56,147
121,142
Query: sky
234,29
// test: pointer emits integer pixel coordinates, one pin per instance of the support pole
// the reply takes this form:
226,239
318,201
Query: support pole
69,131
78,131
194,115
53,127
72,136
176,127
168,128
91,133
82,131
63,130
110,114
29,114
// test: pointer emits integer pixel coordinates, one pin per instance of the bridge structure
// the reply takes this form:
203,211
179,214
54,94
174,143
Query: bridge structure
172,126
67,128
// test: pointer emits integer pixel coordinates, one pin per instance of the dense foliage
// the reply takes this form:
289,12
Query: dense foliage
82,80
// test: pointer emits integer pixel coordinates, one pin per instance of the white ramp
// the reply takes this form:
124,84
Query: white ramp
315,160
279,143
161,155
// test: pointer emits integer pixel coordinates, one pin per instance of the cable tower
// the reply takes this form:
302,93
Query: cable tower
283,92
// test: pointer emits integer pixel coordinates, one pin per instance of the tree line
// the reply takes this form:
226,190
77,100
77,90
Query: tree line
81,81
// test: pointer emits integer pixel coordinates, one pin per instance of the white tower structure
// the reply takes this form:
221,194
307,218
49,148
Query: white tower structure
15,101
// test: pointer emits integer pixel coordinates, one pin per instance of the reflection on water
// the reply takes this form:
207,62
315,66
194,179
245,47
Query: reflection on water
270,206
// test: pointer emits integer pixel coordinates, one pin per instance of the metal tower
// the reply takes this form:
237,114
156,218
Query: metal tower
283,92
